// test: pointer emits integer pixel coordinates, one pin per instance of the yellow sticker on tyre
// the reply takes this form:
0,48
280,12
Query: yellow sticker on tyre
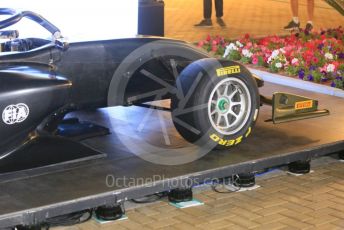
228,70
248,132
232,142
225,142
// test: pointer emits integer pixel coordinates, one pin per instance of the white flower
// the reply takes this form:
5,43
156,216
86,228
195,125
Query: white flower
246,53
229,49
330,68
278,65
239,44
329,56
274,54
232,46
294,61
282,50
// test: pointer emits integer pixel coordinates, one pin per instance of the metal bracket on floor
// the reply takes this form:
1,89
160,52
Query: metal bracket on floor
300,167
110,212
244,180
180,195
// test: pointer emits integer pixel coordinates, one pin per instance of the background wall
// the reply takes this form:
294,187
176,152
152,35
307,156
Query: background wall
81,20
256,17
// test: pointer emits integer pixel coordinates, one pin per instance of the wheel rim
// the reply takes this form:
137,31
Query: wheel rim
229,106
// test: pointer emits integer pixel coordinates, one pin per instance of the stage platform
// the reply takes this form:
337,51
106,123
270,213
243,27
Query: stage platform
31,196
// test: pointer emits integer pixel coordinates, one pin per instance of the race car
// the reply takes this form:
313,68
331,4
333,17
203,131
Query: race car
213,101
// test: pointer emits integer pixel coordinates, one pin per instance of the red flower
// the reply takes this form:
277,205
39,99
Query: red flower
336,64
310,45
315,60
308,55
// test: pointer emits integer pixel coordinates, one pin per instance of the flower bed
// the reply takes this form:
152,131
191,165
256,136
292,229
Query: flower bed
316,57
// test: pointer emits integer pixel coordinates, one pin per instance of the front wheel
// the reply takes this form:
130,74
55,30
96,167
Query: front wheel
217,104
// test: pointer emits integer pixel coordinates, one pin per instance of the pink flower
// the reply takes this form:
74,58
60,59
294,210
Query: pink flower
215,43
264,49
248,45
323,69
214,48
295,62
255,60
200,43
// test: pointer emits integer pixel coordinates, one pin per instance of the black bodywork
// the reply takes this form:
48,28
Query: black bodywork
53,81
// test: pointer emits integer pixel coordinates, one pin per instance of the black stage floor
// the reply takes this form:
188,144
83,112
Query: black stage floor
33,195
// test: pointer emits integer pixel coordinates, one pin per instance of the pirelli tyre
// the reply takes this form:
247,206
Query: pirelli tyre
216,103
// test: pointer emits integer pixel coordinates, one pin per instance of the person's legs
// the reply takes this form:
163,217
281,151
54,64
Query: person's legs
219,8
294,23
219,12
294,4
310,11
207,8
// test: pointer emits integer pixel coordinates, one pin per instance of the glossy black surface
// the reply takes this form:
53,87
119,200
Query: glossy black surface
36,87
